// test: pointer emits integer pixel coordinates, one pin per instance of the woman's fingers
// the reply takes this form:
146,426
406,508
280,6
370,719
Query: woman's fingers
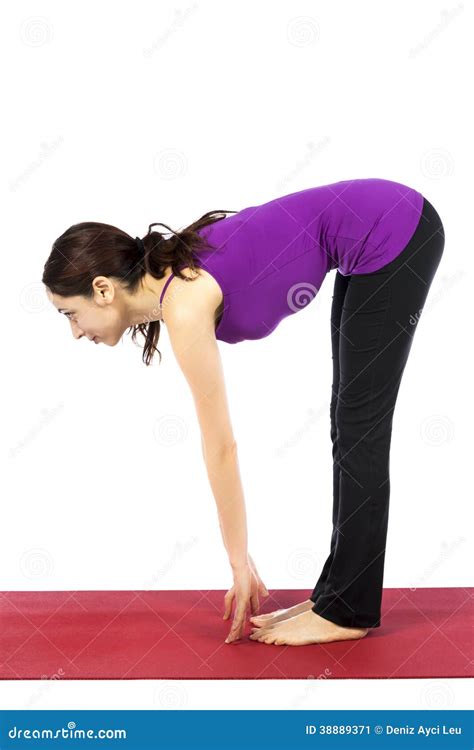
236,631
239,622
228,599
263,589
254,603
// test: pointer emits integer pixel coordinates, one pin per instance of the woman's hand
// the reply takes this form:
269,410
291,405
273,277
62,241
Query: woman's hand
262,588
247,588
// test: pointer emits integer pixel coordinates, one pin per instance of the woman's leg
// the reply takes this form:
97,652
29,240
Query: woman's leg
340,287
379,316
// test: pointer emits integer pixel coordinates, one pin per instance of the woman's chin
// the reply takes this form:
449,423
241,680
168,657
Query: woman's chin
111,340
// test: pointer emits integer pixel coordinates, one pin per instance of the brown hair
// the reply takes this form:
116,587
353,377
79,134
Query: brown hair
91,249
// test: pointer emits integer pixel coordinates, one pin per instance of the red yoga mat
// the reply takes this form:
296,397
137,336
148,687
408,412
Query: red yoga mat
128,635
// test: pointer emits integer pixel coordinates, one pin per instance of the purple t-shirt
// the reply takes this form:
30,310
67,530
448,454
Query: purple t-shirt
270,260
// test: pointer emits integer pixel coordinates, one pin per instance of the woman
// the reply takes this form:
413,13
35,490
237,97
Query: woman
248,272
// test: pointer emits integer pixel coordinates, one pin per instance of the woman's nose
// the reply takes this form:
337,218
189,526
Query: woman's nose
76,331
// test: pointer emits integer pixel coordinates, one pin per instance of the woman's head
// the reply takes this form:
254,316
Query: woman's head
95,273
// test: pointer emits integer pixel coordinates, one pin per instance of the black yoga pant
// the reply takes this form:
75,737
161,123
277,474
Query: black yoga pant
374,318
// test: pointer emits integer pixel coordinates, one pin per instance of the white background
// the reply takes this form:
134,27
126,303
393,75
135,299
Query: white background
131,114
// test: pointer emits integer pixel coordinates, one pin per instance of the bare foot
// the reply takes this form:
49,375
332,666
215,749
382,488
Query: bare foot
281,614
304,629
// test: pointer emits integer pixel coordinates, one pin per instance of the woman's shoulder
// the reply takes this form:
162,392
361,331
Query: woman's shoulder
196,296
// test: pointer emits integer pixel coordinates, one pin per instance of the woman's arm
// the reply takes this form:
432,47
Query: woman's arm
190,326
225,481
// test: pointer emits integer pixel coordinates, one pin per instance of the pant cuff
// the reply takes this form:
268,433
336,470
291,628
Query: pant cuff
338,614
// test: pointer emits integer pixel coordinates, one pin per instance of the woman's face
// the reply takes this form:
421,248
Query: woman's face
100,318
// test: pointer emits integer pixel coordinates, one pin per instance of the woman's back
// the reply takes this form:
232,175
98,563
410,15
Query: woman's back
270,260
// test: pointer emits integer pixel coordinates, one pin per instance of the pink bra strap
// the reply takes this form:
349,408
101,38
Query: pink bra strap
166,286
